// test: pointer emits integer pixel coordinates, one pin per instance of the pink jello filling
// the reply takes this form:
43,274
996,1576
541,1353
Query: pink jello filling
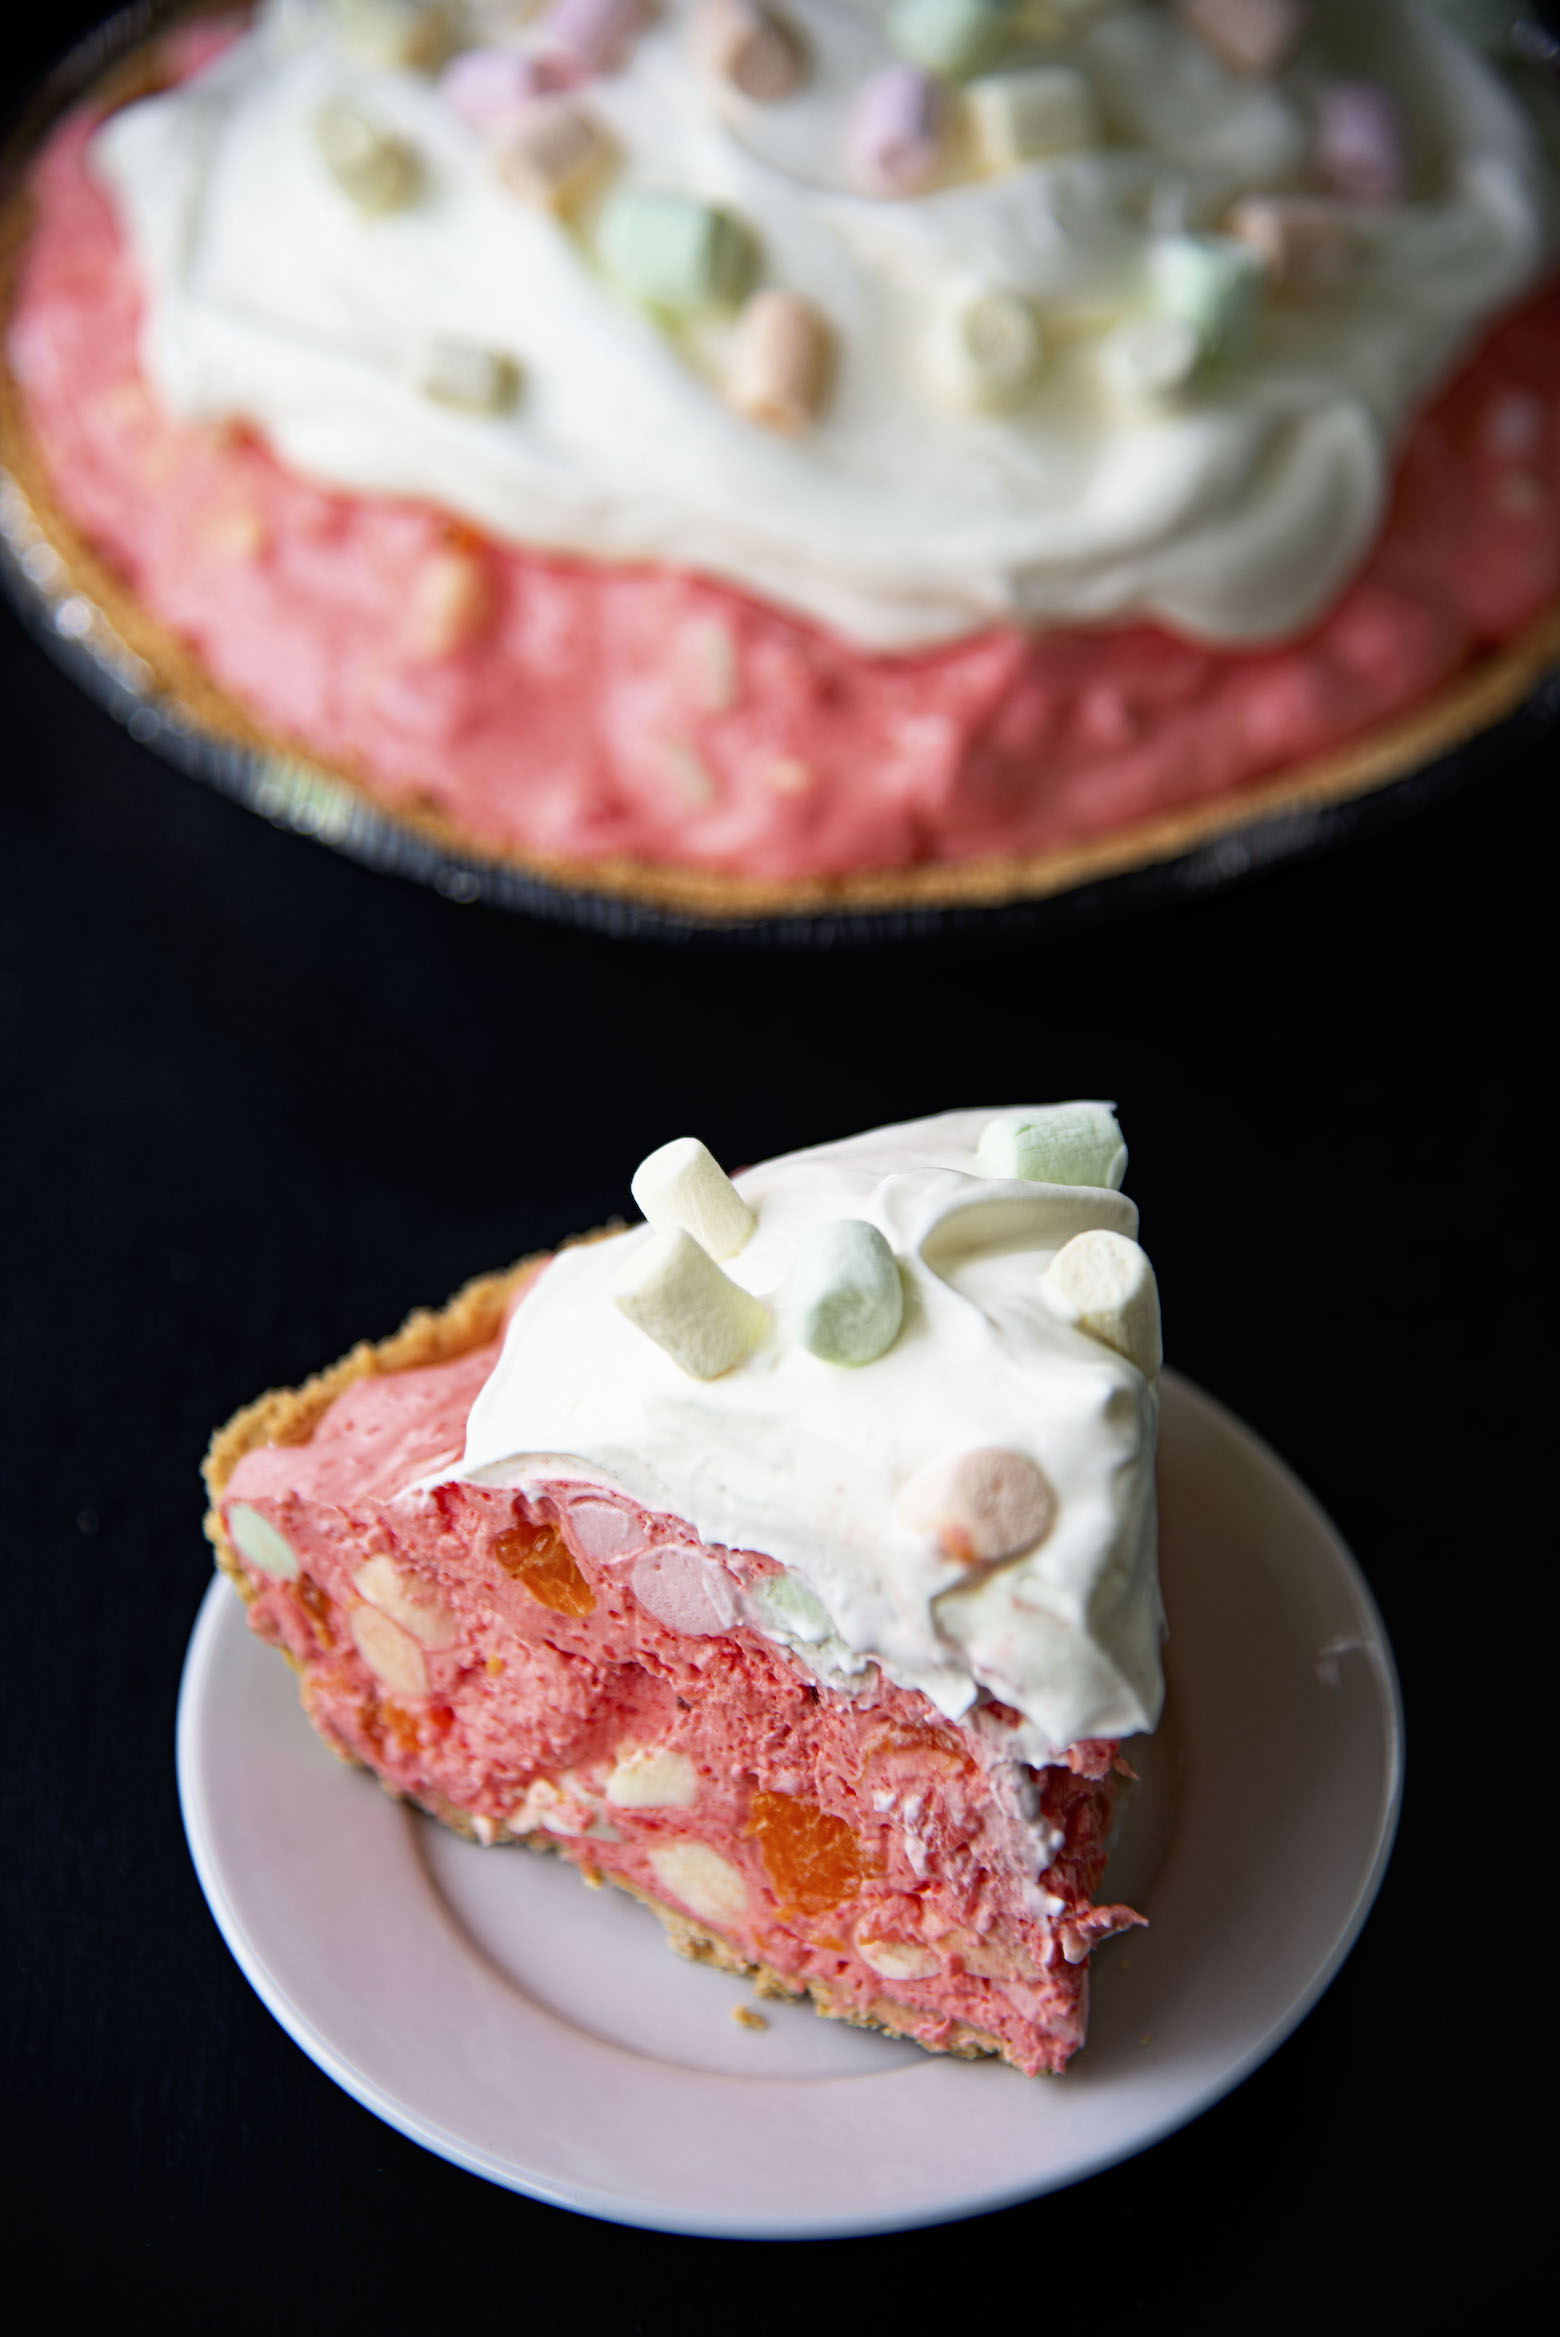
573,711
569,1667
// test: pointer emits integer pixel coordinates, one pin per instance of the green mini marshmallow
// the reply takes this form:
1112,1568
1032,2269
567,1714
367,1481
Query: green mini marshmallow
845,1291
674,251
260,1544
789,1605
956,37
1215,284
1062,1144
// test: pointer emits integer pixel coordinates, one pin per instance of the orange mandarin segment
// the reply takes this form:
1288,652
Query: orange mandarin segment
317,1607
813,1860
538,1559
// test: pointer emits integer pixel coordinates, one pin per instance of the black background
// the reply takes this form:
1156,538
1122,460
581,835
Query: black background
258,1102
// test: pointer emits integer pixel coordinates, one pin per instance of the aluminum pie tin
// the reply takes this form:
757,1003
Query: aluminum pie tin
1482,720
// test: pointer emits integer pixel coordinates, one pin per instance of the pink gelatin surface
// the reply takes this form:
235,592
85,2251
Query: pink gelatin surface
573,711
568,1666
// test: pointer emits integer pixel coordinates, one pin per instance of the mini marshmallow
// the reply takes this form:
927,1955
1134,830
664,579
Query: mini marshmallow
381,1582
394,1658
955,37
260,1544
405,35
1254,38
708,1885
374,168
755,50
987,349
1304,241
1359,142
1106,1286
554,153
599,33
457,373
677,1295
845,1292
898,131
1065,1144
1149,358
898,1959
489,88
652,1777
982,1506
1213,283
685,1590
780,361
784,1603
450,603
683,1188
674,251
1018,117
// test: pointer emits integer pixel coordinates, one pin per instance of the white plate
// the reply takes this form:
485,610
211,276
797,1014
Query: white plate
542,2035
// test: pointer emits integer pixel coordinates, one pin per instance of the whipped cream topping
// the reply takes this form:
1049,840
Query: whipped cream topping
807,1462
1234,512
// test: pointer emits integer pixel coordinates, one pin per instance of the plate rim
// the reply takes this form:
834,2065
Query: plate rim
220,1615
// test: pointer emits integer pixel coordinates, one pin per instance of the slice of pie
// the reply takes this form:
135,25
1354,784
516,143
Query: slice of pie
787,1560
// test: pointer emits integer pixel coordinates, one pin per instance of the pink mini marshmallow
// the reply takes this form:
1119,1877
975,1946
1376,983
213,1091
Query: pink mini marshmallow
685,1591
490,88
599,33
604,1530
1359,142
897,131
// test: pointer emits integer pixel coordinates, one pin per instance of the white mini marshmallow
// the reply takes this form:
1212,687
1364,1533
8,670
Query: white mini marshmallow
845,1293
260,1544
1018,117
678,1296
1063,1144
382,1583
707,1884
391,1654
374,168
987,348
1105,1285
652,1777
449,604
460,373
682,1185
898,1959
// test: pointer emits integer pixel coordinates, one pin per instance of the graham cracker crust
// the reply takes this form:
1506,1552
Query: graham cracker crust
472,1318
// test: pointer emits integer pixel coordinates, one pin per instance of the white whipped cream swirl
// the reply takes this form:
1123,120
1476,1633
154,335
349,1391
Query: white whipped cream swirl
804,1461
1234,514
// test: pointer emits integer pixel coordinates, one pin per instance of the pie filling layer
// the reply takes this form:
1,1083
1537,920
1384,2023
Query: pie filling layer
532,1665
